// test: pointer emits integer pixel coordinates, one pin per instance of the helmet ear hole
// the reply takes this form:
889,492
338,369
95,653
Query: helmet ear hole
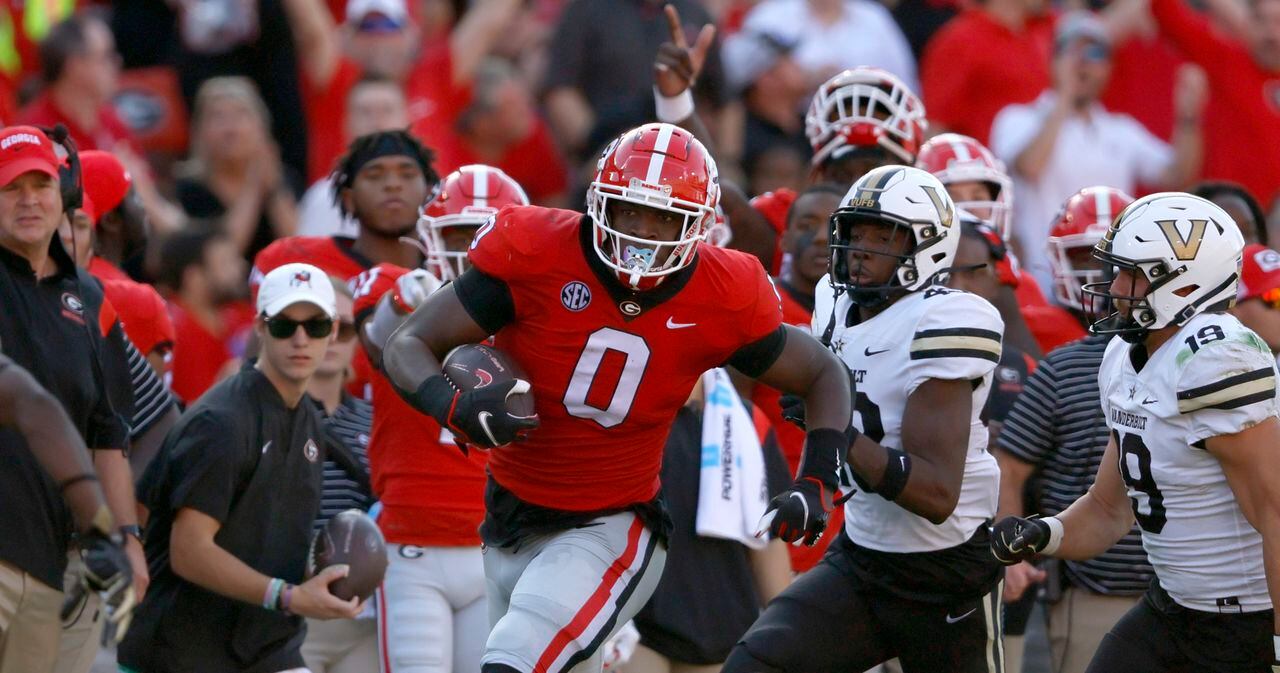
1186,291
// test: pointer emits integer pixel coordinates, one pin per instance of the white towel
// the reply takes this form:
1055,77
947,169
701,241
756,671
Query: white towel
732,491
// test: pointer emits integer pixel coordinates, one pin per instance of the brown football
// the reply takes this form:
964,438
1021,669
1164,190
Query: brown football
474,366
351,537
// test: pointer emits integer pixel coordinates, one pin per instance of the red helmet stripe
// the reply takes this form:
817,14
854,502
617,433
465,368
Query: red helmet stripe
654,175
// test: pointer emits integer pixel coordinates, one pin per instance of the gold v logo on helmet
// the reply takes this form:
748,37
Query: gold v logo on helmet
1184,248
945,214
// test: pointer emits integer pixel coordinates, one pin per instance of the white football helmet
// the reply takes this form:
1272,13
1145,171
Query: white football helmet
1187,247
911,200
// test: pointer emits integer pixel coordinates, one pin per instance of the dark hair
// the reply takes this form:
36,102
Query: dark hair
65,39
1212,189
183,249
817,188
344,172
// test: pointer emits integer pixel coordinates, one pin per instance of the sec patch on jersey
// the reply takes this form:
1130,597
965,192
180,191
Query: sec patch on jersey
473,366
350,538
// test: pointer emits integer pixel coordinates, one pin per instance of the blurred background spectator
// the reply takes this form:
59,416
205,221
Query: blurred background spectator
1066,140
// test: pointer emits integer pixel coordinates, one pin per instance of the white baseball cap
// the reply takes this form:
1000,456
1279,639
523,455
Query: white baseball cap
392,9
293,284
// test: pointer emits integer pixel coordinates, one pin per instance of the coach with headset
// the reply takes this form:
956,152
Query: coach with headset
55,324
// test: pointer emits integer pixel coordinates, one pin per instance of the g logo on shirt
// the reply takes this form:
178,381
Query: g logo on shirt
311,451
72,307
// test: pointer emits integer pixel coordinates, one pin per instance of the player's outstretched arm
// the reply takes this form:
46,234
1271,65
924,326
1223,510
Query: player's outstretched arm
1248,460
805,368
197,558
55,443
1090,526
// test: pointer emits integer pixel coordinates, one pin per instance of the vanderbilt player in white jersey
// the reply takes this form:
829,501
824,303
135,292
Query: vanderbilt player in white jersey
1190,396
910,575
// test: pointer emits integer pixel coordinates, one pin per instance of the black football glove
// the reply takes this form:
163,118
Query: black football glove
792,409
480,416
798,515
1015,539
107,572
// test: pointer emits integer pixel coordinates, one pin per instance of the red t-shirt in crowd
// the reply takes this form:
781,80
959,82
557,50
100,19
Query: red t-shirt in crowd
326,112
608,375
103,270
534,162
974,66
199,355
110,132
333,255
432,494
1242,122
1143,72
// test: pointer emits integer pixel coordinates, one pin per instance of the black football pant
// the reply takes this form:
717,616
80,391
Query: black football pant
1160,636
829,620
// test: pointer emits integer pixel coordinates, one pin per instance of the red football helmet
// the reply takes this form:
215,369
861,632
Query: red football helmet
865,107
468,197
954,158
659,166
1083,220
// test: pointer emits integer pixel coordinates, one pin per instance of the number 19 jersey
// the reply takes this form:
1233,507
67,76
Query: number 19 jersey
609,368
936,333
1213,377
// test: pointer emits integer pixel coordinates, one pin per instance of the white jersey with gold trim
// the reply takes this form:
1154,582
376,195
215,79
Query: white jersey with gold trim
1213,377
932,333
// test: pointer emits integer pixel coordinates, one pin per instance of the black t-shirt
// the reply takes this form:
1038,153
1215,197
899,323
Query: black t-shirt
198,201
1007,383
240,456
56,329
706,598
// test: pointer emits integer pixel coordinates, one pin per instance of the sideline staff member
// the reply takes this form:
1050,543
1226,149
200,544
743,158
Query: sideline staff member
232,496
55,324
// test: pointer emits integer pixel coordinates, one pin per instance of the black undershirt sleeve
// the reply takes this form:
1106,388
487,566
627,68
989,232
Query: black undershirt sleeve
486,299
758,356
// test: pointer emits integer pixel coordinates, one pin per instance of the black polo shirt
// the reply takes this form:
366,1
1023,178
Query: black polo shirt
56,329
240,456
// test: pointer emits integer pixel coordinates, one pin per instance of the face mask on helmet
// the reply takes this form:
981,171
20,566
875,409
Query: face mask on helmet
651,204
895,232
865,107
1173,257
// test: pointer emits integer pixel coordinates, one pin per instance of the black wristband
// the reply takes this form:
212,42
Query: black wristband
433,397
896,471
824,451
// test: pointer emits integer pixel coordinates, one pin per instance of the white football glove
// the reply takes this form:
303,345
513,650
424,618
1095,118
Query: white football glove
413,288
617,650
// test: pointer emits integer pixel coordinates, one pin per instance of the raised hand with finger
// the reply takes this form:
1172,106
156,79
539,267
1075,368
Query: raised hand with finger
677,66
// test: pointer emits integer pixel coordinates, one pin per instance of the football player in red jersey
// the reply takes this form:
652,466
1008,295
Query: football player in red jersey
614,315
432,615
382,181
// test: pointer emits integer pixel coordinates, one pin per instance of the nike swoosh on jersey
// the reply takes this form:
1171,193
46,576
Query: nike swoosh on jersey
953,620
672,324
1146,400
867,352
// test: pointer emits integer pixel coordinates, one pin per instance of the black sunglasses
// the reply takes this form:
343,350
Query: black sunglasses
281,327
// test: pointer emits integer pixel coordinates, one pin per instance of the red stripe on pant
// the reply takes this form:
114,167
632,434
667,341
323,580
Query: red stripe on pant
589,610
384,617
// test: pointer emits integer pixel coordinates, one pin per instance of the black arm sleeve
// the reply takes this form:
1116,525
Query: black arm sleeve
486,299
758,356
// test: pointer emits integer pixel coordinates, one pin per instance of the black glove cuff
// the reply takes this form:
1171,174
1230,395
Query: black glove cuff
824,451
896,471
433,397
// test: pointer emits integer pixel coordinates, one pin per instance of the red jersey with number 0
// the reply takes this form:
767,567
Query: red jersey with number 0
432,494
609,368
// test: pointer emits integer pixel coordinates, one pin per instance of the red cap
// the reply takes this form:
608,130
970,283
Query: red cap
1261,272
24,149
105,180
